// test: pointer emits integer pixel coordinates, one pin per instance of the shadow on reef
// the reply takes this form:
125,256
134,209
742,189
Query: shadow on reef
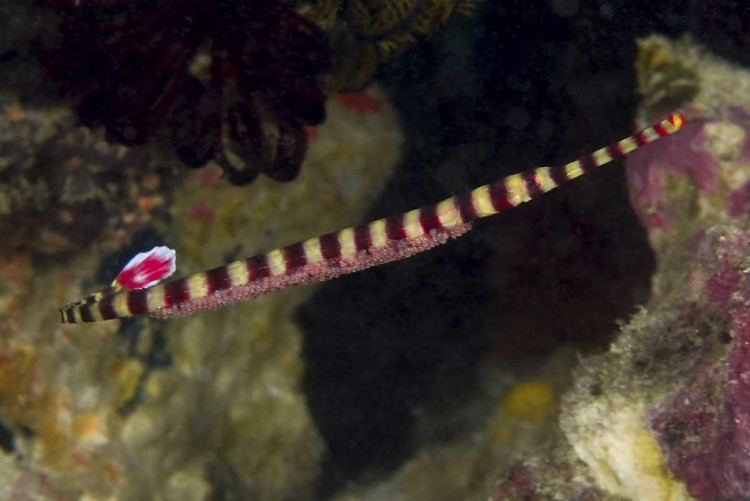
385,344
369,369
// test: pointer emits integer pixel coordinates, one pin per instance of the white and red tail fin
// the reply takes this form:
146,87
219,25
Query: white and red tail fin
147,269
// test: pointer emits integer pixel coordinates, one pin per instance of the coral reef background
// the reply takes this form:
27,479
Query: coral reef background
419,380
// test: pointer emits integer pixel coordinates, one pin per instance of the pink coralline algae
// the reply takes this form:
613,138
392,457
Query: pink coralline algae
704,157
692,195
546,479
665,413
704,427
685,155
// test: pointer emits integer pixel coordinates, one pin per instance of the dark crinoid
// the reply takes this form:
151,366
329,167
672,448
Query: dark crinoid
230,80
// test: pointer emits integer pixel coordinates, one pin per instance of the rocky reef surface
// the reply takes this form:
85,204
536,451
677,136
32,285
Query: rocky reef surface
207,407
664,414
210,407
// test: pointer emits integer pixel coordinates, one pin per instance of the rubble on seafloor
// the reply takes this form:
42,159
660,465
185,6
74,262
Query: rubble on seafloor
203,407
62,186
664,414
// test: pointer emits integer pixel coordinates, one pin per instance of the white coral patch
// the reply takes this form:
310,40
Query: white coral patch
609,435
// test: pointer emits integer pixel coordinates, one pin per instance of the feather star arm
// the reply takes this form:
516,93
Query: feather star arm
352,249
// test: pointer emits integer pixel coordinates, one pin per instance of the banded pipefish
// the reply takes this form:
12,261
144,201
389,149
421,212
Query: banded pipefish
352,249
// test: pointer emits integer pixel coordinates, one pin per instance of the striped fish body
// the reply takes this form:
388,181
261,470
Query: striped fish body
352,249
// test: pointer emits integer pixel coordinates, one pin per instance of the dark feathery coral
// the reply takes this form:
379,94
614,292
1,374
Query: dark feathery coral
370,32
235,81
231,81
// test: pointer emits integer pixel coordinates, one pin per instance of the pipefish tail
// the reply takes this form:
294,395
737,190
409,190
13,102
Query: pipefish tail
352,249
144,270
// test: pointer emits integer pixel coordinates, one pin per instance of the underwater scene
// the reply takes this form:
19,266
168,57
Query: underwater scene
376,250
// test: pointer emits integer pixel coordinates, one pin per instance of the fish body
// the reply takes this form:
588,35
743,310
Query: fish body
349,250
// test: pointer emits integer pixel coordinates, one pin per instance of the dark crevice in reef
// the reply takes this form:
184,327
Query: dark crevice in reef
7,439
514,87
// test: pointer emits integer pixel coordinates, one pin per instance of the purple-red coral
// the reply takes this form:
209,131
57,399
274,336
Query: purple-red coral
545,479
692,195
682,156
665,413
704,427
701,158
234,81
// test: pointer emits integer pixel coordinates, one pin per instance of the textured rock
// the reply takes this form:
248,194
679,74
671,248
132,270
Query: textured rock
663,415
198,408
62,186
703,425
